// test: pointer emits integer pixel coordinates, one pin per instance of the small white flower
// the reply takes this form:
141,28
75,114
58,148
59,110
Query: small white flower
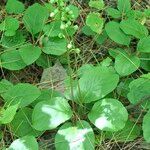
63,26
52,14
69,46
77,50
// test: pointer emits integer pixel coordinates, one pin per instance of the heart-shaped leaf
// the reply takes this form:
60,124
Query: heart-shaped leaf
108,115
22,93
52,112
14,7
126,64
21,125
95,22
29,53
79,136
24,143
35,17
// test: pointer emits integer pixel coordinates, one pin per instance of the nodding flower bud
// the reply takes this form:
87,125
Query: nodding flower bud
63,18
69,46
77,50
68,23
76,27
60,35
52,14
62,26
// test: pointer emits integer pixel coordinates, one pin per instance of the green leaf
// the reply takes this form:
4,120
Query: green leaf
114,13
101,38
46,94
146,128
129,133
53,112
115,52
134,28
52,29
9,25
7,115
98,4
123,87
145,61
139,91
5,85
44,61
12,60
115,33
16,40
75,137
22,93
144,45
88,31
35,17
24,143
14,7
22,123
124,6
95,84
126,64
54,46
108,115
95,22
29,53
75,11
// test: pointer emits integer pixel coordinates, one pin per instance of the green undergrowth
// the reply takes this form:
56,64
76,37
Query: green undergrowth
74,76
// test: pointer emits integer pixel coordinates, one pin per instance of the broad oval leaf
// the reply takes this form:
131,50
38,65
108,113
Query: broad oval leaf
98,4
21,125
95,84
140,91
95,22
144,45
35,17
146,127
134,28
29,53
52,112
12,60
145,61
116,34
124,6
108,115
54,46
7,115
126,64
14,7
22,93
5,85
114,13
12,41
24,143
9,25
75,137
52,29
